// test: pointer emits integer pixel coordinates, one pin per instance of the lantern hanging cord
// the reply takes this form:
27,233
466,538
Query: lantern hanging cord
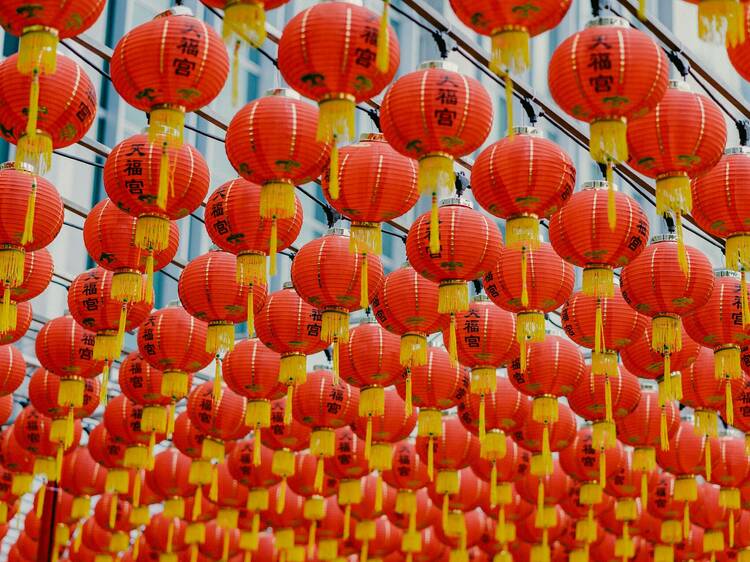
682,66
743,130
528,107
373,114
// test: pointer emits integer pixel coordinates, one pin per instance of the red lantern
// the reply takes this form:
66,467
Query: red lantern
303,481
44,390
109,236
109,453
714,325
6,408
343,69
644,428
605,93
376,184
685,459
407,305
522,178
18,461
455,117
328,276
708,512
12,369
682,138
324,404
142,384
530,283
170,478
37,274
22,190
156,185
719,204
604,400
554,367
36,117
82,477
640,358
730,472
219,419
197,66
484,341
650,286
459,260
606,326
219,543
272,142
91,304
174,342
209,291
232,223
292,328
370,361
33,432
111,503
122,419
166,534
252,370
23,315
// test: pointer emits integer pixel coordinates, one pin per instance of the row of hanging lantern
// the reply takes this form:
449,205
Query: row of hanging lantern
336,472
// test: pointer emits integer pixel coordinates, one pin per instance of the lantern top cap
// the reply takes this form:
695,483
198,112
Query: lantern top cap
173,304
681,85
669,237
528,130
554,332
722,272
608,20
353,2
737,150
20,166
283,93
456,201
439,64
321,367
480,298
175,11
647,384
337,231
368,320
597,184
372,137
687,416
287,285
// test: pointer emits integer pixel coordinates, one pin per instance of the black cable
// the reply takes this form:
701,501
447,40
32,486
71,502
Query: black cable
84,59
56,282
205,134
394,234
71,225
175,279
309,195
196,217
410,18
78,159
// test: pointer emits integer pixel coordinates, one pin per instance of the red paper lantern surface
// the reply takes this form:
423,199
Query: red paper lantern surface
323,403
686,454
455,117
641,427
370,357
291,327
170,477
81,474
186,437
731,465
122,510
293,436
188,73
408,470
329,54
242,467
234,223
131,178
23,322
6,408
328,276
407,305
640,358
522,178
387,539
61,120
682,138
209,290
174,342
12,369
165,533
251,370
32,432
561,432
505,409
720,203
707,511
582,461
123,420
454,449
303,480
37,274
588,398
214,545
67,349
375,184
272,141
349,461
221,419
67,20
230,493
438,384
512,467
44,387
141,383
605,75
104,448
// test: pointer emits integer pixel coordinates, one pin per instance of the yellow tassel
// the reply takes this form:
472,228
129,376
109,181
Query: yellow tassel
273,246
524,281
509,102
611,202
216,395
707,455
220,335
663,434
729,403
245,20
170,536
333,181
347,521
408,407
686,489
522,233
167,125
706,422
336,120
602,468
540,498
642,10
277,199
608,141
311,538
33,113
336,360
745,304
197,503
368,437
510,50
364,293
174,384
598,281
430,458
334,325
738,252
379,493
721,21
381,59
731,529
626,509
663,553
434,226
608,399
12,266
435,174
452,341
6,324
225,547
482,421
666,334
28,225
152,231
686,520
727,362
250,319
256,449
105,383
671,531
36,151
213,491
194,553
37,50
546,453
319,476
236,73
40,493
113,511
127,286
164,176
148,287
591,493
288,404
681,252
